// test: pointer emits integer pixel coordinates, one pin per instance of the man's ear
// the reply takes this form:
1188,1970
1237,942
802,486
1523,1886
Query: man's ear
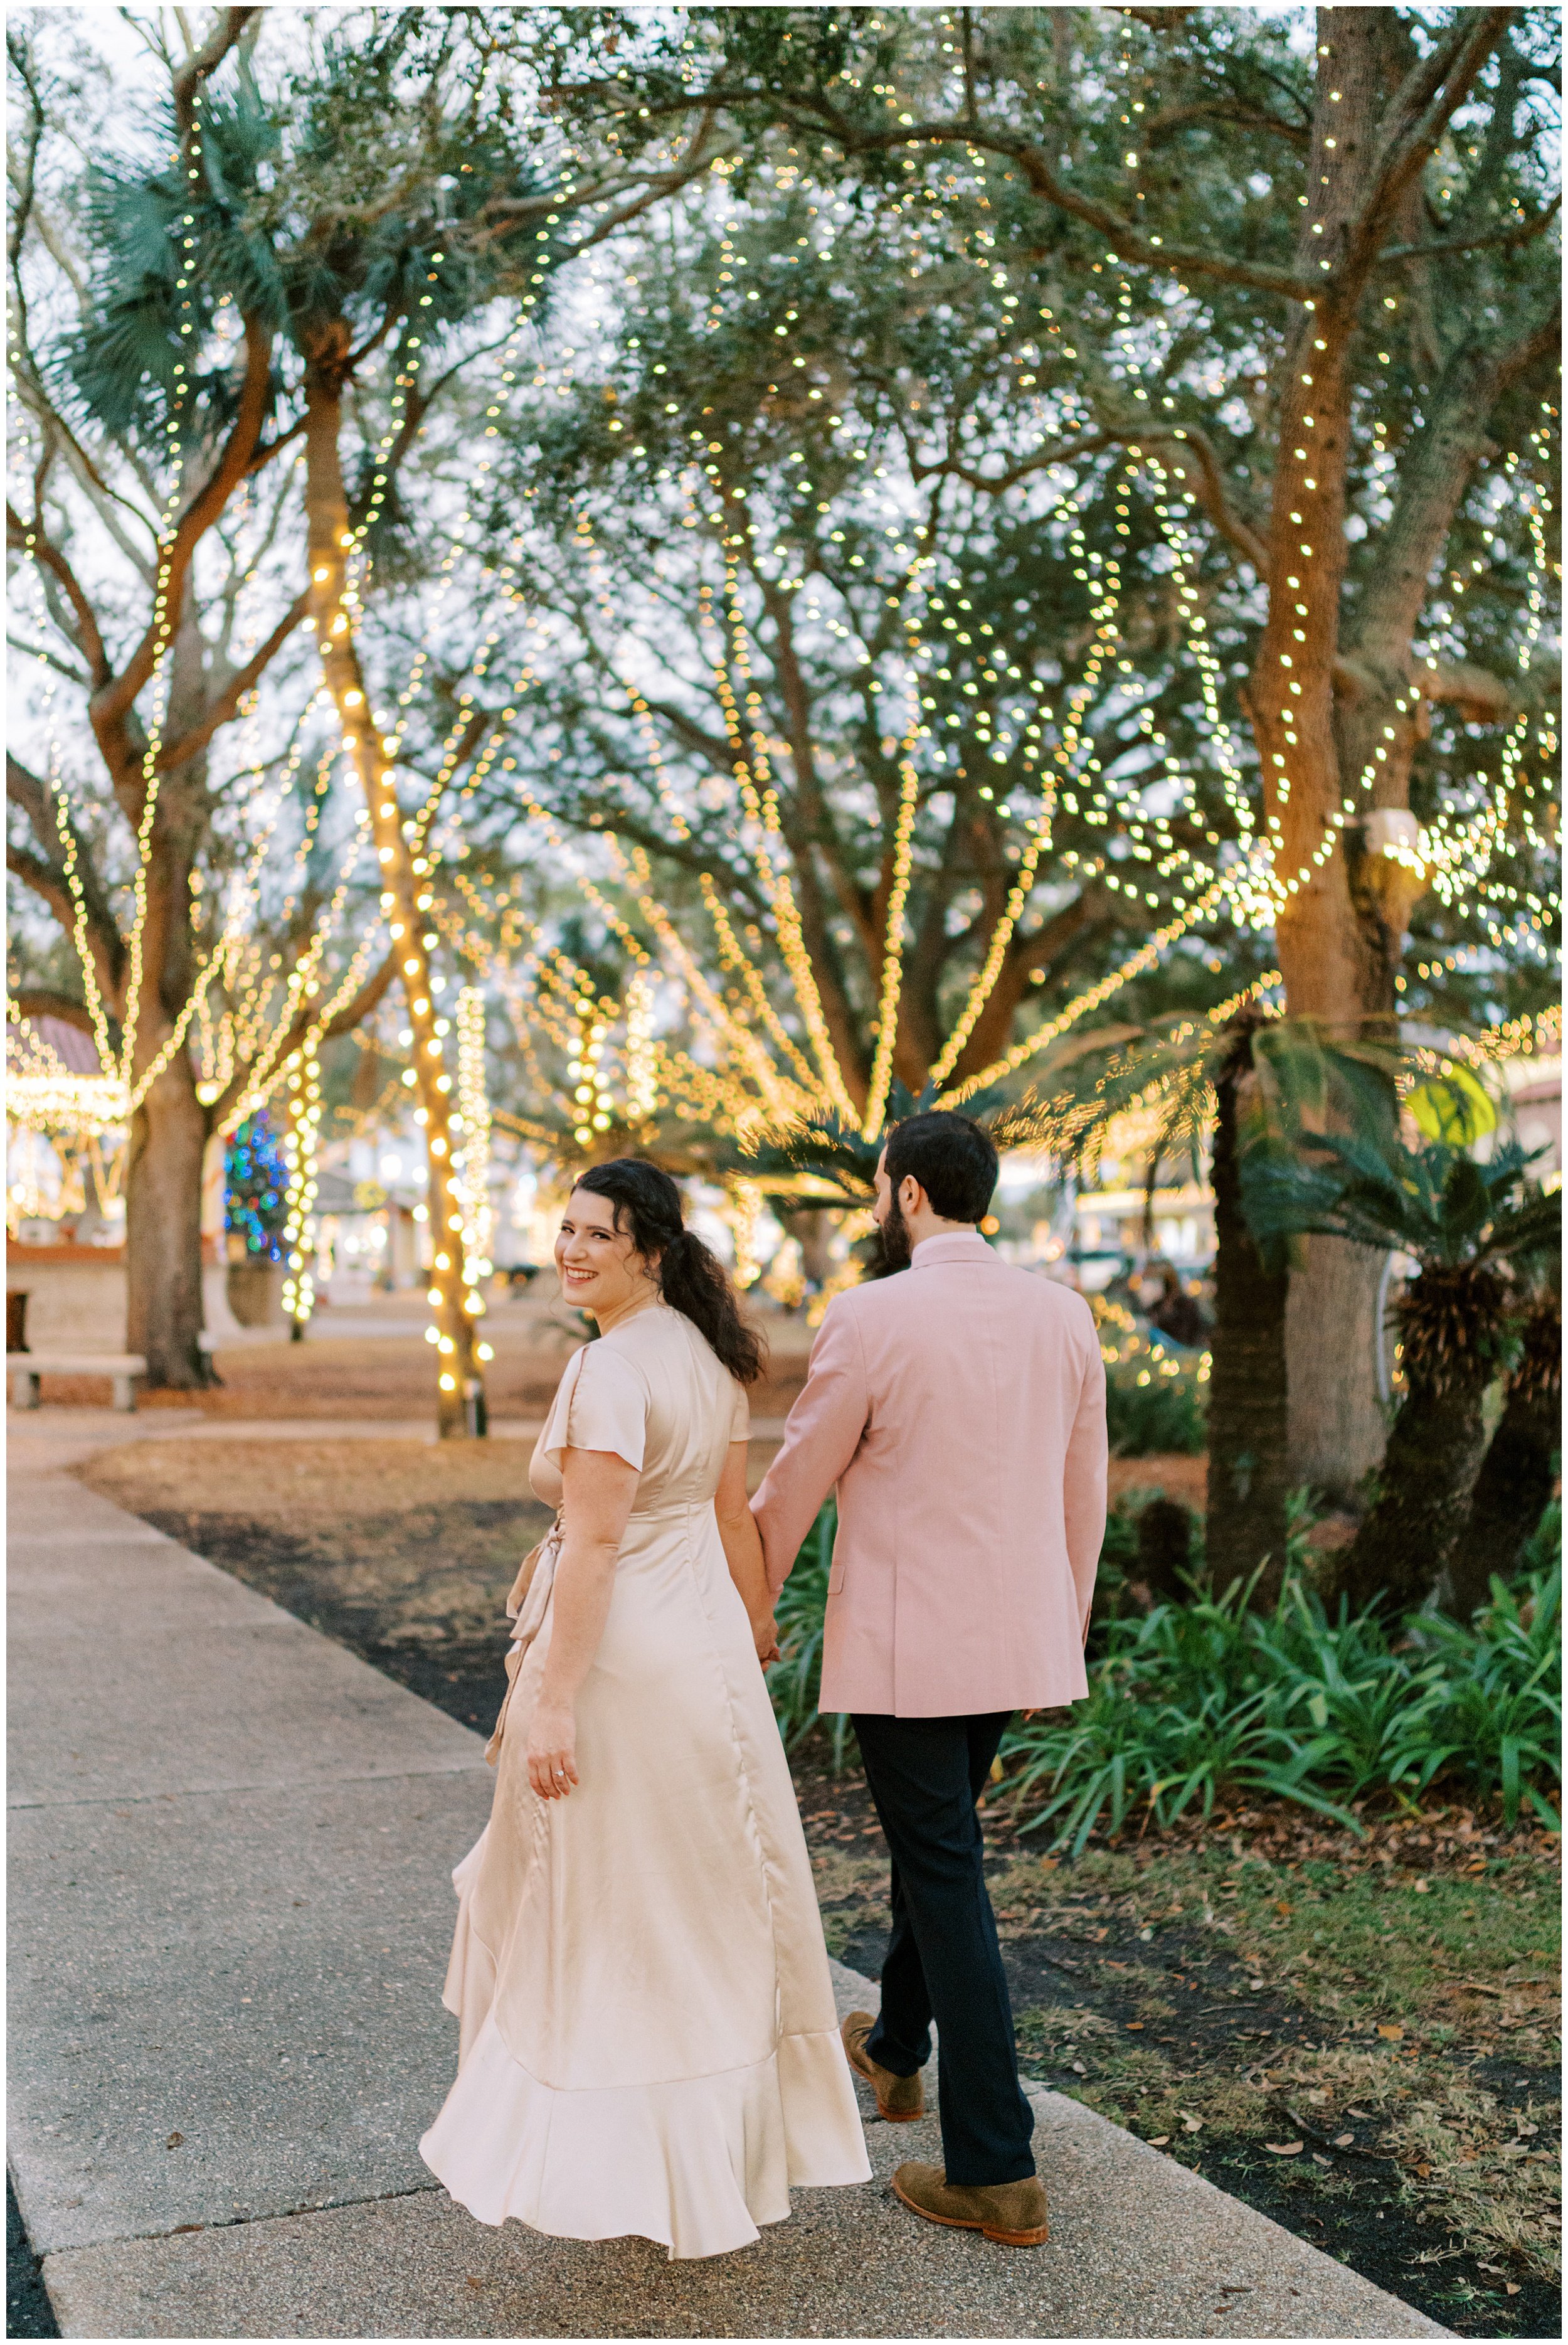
911,1196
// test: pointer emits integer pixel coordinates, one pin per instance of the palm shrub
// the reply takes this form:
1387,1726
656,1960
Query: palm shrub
1514,1484
1474,1230
1214,1701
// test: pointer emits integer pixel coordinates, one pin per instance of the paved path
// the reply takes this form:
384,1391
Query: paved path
231,1844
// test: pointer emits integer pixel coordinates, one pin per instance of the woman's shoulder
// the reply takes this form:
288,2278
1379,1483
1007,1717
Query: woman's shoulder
662,1347
647,1335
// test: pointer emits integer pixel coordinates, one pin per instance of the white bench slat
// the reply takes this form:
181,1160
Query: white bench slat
122,1369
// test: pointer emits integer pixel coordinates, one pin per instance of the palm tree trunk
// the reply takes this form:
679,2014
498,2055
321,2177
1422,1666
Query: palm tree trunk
1249,1447
1435,1447
454,1295
1516,1475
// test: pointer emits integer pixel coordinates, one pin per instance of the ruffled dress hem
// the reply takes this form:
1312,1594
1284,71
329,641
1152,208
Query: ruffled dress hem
696,2163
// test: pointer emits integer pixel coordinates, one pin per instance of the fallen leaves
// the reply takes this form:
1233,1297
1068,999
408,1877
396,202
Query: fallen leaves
1286,2148
1391,2034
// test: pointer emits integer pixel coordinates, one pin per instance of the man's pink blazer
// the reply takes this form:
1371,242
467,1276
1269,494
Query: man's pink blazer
959,1407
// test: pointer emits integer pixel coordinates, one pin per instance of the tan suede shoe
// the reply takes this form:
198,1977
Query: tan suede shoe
900,2099
1011,2212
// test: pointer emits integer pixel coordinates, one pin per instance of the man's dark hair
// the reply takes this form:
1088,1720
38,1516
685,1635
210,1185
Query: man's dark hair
953,1160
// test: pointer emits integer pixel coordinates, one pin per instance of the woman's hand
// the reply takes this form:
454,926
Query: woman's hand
766,1637
552,1749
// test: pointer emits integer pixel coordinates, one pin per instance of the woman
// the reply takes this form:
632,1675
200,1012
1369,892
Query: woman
648,2040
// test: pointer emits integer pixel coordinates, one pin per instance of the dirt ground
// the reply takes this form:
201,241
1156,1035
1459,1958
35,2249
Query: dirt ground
1353,2035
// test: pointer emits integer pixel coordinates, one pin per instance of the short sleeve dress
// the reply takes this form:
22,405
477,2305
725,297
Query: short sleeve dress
647,2037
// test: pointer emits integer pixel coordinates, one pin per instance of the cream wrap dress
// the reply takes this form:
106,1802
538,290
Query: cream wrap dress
647,2037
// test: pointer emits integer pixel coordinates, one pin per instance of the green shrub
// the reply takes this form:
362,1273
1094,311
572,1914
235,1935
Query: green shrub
1162,1418
1205,1699
795,1682
1193,1702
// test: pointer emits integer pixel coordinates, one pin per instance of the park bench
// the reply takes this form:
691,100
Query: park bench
122,1369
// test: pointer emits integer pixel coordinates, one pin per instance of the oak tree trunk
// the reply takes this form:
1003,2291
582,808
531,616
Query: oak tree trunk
163,1232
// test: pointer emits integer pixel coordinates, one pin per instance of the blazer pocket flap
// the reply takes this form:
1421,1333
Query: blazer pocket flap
836,1579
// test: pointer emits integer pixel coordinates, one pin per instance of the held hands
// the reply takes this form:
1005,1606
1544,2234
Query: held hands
552,1749
766,1637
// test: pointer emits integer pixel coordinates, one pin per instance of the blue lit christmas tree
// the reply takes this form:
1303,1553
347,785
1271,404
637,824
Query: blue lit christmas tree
257,1187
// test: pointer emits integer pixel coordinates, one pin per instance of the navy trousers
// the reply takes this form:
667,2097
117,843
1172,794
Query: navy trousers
944,1962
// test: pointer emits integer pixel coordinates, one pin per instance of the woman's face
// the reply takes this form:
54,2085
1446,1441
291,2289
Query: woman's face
601,1269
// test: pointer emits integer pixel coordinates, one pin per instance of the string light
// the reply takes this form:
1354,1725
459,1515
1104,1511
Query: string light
303,1075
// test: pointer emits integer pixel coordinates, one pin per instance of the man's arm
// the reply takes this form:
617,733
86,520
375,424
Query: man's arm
1084,1482
821,1437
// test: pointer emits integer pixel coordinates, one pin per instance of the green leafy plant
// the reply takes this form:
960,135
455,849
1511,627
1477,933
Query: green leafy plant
1165,1417
1205,1700
1199,1701
795,1682
1479,1233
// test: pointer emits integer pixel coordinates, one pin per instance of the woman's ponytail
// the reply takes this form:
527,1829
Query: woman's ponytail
691,1277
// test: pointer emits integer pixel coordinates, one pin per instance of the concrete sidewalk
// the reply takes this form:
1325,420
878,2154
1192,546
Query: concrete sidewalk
231,1908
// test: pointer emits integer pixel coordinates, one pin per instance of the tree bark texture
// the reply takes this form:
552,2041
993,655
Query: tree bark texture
1336,1439
1518,1472
1249,1456
1449,1319
163,1231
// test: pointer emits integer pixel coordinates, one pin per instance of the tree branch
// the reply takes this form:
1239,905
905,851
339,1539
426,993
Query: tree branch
39,1001
219,710
48,557
1432,93
27,791
203,65
354,1013
45,879
1524,233
113,705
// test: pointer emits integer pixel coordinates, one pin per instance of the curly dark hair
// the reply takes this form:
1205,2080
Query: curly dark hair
691,1277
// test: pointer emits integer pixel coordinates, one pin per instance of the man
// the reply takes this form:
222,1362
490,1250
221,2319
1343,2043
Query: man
960,1410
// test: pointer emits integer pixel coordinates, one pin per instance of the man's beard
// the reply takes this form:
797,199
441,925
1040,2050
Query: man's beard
896,1250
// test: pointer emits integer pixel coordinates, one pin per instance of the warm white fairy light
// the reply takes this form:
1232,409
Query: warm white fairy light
745,1216
302,1076
641,1073
473,1166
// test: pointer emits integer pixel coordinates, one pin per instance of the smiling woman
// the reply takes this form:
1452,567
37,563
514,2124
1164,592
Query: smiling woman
648,2036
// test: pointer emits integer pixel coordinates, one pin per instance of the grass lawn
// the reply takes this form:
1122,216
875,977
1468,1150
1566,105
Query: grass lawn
1355,2036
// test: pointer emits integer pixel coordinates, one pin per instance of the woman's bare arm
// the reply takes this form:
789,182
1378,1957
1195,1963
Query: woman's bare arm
743,1551
598,1489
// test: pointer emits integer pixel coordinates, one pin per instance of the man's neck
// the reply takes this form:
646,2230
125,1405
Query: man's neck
932,1226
